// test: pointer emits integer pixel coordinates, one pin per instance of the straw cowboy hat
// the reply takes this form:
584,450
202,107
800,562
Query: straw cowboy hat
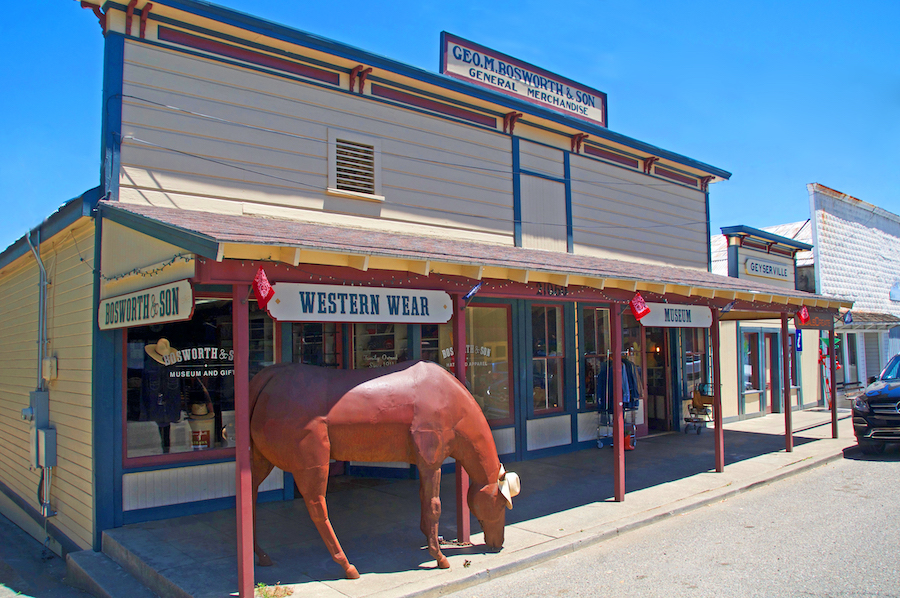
160,350
509,485
199,411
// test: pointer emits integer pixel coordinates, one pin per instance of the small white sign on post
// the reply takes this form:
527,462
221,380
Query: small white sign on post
668,315
172,302
336,303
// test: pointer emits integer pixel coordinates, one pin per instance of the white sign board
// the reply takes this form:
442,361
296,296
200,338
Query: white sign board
474,63
667,315
172,302
763,269
335,303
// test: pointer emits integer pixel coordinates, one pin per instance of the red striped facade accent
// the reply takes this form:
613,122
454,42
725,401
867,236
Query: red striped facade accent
420,102
215,47
687,180
611,156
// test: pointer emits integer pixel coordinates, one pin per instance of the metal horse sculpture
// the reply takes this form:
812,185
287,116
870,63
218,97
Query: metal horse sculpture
303,416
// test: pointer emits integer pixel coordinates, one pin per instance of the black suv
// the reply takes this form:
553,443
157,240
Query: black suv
876,412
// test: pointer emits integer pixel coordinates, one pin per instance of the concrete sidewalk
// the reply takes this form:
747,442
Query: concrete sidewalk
565,504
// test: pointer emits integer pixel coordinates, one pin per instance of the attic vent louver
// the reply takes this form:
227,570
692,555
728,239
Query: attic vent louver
355,167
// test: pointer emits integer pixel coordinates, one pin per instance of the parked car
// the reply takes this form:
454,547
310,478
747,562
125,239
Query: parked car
876,412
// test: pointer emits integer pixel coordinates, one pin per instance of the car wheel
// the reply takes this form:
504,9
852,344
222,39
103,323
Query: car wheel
871,448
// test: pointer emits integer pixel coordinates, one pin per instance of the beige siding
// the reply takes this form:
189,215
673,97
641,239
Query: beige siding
68,258
543,214
266,150
729,346
623,214
810,369
142,252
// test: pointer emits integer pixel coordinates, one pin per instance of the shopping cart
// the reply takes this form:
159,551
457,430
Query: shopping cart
699,409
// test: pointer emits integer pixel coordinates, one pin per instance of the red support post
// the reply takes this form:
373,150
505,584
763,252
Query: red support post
786,385
615,331
243,479
463,519
831,354
719,431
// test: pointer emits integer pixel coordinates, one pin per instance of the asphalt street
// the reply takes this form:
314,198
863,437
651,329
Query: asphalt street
829,532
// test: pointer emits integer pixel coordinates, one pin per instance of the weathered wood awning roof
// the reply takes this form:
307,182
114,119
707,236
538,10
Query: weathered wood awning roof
229,236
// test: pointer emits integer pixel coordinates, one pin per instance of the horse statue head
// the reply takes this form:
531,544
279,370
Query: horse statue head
489,504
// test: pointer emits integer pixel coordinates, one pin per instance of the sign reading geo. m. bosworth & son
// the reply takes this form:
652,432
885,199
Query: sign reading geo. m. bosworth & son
336,303
172,302
472,62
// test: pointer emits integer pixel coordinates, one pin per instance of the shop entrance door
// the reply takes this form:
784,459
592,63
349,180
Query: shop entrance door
772,392
659,401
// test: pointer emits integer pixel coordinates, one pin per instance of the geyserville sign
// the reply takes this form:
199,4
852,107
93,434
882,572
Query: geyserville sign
172,302
335,303
667,315
474,63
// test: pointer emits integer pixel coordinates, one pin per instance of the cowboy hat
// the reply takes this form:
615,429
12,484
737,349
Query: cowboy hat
199,411
509,485
160,350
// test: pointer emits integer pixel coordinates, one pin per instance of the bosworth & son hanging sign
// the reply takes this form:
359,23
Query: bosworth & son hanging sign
172,302
335,303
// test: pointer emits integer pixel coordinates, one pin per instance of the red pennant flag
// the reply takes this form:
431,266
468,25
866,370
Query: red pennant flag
803,314
638,306
262,289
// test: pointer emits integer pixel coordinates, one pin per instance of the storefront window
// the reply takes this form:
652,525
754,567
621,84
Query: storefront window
750,356
596,349
792,359
317,343
180,380
633,358
488,373
376,345
547,355
695,358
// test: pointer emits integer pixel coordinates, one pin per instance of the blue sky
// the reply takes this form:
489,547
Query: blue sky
780,94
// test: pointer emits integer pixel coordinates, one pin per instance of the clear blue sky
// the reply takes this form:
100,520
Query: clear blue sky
779,93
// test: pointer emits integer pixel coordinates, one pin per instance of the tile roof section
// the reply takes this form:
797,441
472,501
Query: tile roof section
255,230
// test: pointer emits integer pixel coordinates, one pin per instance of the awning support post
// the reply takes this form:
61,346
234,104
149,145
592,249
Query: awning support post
463,519
833,358
786,385
719,432
615,330
243,482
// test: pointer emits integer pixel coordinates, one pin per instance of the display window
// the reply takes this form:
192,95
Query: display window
179,380
377,345
317,343
488,355
547,358
596,349
695,358
750,357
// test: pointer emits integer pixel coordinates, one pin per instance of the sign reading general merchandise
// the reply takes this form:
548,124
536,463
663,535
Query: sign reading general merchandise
335,303
474,63
172,302
668,315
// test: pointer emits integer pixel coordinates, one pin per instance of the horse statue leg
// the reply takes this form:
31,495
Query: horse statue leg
430,496
260,468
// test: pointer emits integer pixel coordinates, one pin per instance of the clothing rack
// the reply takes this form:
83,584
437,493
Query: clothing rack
631,395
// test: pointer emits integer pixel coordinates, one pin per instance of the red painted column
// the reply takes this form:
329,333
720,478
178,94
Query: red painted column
831,354
463,519
786,385
719,431
615,331
243,479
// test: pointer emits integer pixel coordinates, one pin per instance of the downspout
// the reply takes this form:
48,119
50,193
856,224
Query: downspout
43,436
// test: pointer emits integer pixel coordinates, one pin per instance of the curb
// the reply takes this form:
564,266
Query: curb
584,539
